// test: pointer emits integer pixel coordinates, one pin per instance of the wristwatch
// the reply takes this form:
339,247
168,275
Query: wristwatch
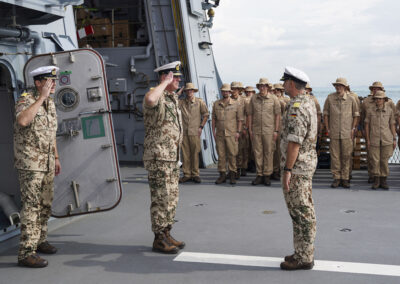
201,126
287,169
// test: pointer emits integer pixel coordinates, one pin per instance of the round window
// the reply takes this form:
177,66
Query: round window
67,99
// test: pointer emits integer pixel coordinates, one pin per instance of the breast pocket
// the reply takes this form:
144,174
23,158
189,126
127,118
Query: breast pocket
170,113
220,114
40,122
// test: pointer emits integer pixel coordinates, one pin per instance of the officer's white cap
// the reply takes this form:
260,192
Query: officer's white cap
295,75
175,67
50,71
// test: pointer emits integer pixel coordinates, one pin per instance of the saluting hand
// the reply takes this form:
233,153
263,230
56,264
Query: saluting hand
169,78
46,89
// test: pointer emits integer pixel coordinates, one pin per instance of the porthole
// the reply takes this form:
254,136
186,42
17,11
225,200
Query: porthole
67,99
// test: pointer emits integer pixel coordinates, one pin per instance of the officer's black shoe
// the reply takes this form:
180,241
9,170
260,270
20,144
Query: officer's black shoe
335,183
258,180
222,178
197,179
345,183
184,179
232,176
383,183
238,173
267,181
276,176
33,261
46,248
376,183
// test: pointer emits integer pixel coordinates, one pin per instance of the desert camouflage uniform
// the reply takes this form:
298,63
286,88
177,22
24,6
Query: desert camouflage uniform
34,149
162,144
300,126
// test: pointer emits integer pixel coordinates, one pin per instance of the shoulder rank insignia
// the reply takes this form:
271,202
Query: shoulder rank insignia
296,104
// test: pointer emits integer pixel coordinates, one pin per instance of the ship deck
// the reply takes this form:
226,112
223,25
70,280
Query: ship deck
234,234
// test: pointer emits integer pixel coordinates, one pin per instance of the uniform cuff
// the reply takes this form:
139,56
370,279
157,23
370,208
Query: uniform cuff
295,138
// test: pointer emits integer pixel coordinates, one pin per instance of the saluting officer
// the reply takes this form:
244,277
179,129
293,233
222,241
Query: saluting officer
237,97
194,117
381,138
340,118
227,120
37,161
264,115
162,144
299,161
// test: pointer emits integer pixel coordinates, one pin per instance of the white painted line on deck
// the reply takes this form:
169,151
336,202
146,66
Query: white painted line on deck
274,262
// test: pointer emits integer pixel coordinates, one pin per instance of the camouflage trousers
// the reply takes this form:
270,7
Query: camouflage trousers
36,196
300,204
164,191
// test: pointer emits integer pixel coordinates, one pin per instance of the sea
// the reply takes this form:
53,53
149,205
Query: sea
321,93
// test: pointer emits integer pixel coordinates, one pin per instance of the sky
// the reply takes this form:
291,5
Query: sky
355,39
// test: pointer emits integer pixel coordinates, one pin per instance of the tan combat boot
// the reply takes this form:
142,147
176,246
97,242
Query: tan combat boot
46,248
171,239
162,245
376,183
383,183
222,178
294,264
33,261
232,176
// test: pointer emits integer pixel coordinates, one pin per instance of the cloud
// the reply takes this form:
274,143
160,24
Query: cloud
353,37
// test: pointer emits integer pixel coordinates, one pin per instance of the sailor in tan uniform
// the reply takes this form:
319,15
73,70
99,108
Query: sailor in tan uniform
381,138
194,117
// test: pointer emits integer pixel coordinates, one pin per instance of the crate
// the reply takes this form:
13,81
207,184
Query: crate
102,27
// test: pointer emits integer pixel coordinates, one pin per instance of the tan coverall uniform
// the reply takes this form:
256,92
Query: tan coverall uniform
366,105
263,110
226,117
340,111
242,139
192,113
381,139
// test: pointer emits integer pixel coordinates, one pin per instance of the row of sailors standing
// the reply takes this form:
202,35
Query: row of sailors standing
246,128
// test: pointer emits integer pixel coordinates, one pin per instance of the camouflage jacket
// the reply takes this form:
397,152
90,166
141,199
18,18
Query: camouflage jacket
34,145
300,126
163,126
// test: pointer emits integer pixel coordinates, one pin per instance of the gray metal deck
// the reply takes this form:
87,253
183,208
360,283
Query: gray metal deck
115,246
